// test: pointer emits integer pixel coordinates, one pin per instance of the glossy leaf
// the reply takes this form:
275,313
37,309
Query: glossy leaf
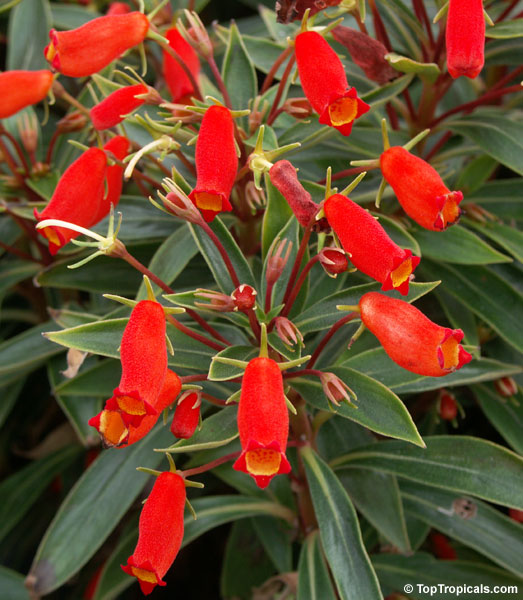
12,585
313,576
29,24
462,464
222,372
506,29
275,537
509,238
387,92
426,71
339,531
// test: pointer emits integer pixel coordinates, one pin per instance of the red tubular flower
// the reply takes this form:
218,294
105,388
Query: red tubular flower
118,8
176,78
143,354
186,415
465,38
263,422
441,547
324,82
448,409
160,532
515,514
91,47
76,199
113,109
115,433
119,146
412,340
216,163
283,177
371,249
21,89
420,190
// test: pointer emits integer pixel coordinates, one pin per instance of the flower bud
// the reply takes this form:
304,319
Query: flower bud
371,250
441,546
334,261
283,177
180,205
219,301
216,163
299,108
28,130
287,12
447,407
410,339
515,514
23,88
506,387
73,121
276,262
263,422
336,390
76,199
91,47
420,190
176,78
186,415
244,297
113,109
324,82
465,38
160,532
288,333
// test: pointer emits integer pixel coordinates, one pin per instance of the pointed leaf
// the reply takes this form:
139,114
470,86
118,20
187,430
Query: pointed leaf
313,576
29,23
222,372
12,585
403,64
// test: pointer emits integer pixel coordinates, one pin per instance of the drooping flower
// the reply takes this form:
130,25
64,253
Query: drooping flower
324,82
143,354
465,38
216,163
176,78
76,199
263,422
21,89
410,338
113,109
283,177
447,406
160,532
186,415
115,433
371,249
91,47
420,190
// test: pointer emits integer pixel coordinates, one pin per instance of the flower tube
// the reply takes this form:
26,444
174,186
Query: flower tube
370,248
160,532
465,38
113,109
324,82
186,415
420,190
216,163
91,47
283,177
176,78
411,339
76,199
263,422
21,89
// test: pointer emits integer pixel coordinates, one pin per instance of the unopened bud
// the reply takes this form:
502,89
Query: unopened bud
28,130
180,205
336,390
276,262
254,197
333,260
506,387
447,408
257,114
244,297
299,108
218,301
186,414
74,121
196,34
288,333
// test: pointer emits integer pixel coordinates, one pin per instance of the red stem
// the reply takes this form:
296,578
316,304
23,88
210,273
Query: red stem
328,336
194,334
187,71
298,259
346,173
379,27
191,378
223,253
283,81
211,465
296,289
273,70
19,253
438,145
18,150
507,11
301,373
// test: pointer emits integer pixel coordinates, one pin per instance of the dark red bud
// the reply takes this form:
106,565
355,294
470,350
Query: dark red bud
333,260
448,409
244,297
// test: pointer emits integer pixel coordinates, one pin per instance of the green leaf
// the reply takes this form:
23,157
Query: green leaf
12,585
238,72
29,24
378,408
457,245
113,580
496,134
214,259
313,576
462,464
324,314
486,294
275,538
217,430
71,16
460,317
92,510
264,53
387,92
217,510
378,365
98,380
20,491
170,259
9,395
14,271
377,497
422,569
277,214
480,526
222,372
506,414
501,197
340,534
506,29
507,237
427,71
